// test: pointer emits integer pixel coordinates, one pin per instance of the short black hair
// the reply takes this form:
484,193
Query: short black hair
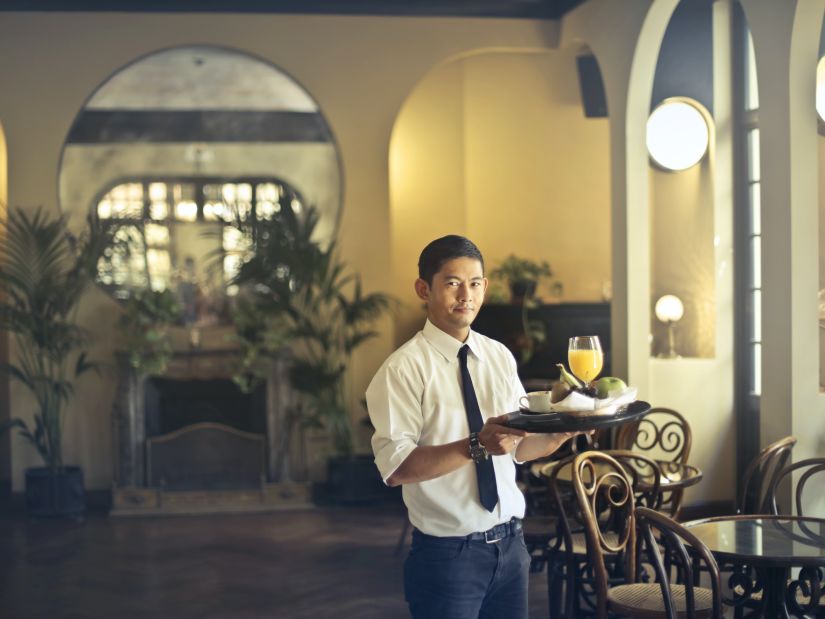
442,250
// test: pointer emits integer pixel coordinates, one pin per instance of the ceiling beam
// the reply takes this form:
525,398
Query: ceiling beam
527,9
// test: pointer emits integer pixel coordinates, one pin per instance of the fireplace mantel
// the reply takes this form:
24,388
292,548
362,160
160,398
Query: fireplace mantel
134,492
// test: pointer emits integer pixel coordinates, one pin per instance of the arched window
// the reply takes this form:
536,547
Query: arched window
171,232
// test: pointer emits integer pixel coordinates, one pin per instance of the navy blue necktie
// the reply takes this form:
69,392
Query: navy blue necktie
487,491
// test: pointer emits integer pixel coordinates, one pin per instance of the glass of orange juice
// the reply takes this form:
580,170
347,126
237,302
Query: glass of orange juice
584,354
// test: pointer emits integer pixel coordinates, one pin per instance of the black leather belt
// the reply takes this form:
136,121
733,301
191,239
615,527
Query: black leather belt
498,532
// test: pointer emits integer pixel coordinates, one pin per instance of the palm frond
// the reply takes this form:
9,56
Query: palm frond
44,270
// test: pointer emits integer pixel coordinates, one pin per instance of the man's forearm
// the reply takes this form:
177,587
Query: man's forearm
540,445
431,461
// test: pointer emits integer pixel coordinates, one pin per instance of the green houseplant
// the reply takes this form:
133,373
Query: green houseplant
324,313
145,322
44,271
523,275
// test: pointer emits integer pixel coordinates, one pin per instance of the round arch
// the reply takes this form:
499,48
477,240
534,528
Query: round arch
494,144
218,110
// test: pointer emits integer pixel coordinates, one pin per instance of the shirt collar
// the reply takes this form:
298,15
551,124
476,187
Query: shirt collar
447,345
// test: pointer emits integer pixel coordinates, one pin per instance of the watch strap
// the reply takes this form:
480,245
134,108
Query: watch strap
477,451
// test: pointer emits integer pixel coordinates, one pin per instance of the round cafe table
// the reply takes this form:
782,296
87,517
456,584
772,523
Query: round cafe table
762,551
673,475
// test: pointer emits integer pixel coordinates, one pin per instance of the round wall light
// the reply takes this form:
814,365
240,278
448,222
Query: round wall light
820,88
677,134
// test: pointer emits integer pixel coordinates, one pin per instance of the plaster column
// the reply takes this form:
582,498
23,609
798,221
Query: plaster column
625,38
5,412
786,44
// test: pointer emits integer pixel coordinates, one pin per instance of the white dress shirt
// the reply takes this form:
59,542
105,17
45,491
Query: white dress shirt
415,398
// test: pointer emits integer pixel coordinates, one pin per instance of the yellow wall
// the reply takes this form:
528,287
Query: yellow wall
537,169
427,181
495,146
359,70
682,255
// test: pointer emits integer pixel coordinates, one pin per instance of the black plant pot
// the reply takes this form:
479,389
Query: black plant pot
55,494
522,290
355,479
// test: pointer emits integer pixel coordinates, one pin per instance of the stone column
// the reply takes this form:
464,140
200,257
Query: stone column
129,428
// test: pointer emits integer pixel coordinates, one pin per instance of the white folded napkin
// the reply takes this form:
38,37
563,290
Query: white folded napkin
576,402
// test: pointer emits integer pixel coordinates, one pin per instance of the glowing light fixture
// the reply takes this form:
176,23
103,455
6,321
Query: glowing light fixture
677,135
669,309
820,88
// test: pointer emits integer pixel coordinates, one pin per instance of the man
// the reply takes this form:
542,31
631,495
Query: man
433,404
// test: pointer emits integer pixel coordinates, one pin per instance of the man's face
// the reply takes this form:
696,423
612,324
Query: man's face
455,296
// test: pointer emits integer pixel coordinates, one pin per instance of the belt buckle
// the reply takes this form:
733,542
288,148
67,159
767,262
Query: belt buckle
490,535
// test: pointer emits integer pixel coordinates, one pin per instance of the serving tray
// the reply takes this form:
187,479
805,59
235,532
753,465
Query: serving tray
577,421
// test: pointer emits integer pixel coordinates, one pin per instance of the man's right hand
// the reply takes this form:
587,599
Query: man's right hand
499,439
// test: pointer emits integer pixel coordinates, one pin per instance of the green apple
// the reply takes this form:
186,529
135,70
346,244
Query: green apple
608,386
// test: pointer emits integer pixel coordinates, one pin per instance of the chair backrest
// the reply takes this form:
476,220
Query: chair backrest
662,431
645,476
813,466
663,540
665,434
760,477
604,494
645,480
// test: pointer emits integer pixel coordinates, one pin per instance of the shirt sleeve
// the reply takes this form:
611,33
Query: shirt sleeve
517,389
394,407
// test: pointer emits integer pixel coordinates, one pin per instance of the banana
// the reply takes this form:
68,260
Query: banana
572,381
560,391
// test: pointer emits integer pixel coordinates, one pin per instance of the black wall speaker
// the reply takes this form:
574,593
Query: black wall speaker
591,87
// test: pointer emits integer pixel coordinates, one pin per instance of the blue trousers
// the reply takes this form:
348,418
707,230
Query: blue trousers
453,578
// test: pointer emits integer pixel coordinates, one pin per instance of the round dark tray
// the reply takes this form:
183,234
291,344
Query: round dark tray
574,422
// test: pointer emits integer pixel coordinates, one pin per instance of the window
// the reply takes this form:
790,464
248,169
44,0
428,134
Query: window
748,245
170,231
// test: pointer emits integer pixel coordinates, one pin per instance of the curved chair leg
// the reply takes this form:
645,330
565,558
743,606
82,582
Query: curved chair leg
555,579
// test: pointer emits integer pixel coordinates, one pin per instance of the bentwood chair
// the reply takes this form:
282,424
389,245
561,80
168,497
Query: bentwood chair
676,568
808,585
808,469
761,475
759,479
602,484
540,520
664,434
570,581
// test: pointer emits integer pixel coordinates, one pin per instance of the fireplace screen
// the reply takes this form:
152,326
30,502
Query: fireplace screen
206,456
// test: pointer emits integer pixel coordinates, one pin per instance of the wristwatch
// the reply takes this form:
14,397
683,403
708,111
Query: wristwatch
477,451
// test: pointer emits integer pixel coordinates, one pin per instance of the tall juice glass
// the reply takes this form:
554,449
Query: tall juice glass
585,357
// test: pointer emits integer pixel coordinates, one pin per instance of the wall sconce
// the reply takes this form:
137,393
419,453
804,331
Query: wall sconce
677,134
669,310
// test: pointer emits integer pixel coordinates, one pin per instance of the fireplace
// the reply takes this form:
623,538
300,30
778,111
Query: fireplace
192,441
172,404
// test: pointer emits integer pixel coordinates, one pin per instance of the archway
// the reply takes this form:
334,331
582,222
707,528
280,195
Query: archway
496,146
172,147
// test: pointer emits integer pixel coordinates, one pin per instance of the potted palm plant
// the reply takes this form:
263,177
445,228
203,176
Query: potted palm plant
44,271
522,275
327,316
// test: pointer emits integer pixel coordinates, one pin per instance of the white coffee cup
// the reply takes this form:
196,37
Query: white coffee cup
537,401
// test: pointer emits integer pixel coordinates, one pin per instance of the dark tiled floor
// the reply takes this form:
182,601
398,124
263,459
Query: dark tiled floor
335,563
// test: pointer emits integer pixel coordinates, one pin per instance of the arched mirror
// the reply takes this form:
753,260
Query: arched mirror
174,148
